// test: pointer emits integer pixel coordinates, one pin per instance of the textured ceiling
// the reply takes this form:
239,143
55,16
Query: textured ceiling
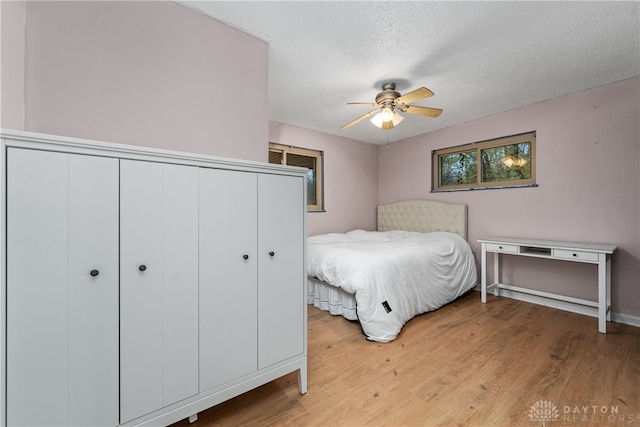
479,58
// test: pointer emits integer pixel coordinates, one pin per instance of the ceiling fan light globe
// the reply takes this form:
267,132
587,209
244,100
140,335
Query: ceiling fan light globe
377,121
386,114
397,118
389,124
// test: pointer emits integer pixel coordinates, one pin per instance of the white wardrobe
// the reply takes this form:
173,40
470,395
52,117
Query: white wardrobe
144,286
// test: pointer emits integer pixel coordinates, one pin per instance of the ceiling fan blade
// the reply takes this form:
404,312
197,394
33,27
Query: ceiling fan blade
416,95
422,111
359,119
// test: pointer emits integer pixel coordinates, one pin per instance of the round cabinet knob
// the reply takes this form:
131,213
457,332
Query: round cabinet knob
245,256
272,253
94,273
142,267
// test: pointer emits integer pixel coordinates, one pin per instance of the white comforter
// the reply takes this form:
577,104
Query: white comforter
405,272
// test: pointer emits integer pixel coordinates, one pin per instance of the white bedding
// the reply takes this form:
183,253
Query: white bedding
394,275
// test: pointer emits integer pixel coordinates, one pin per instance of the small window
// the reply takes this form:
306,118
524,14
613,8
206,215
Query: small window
497,163
302,157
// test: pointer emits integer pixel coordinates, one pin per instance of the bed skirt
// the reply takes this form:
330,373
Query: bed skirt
329,298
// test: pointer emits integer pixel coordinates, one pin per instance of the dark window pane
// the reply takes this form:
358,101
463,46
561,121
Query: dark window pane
275,157
300,160
459,168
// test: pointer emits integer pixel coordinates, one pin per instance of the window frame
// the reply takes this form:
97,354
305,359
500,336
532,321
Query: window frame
436,156
319,169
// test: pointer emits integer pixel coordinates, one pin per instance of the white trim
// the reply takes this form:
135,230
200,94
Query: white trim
3,287
39,141
626,319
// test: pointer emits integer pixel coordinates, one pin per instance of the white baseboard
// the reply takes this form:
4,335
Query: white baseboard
566,306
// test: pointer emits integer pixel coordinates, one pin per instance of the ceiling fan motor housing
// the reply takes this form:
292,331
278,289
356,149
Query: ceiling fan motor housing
388,95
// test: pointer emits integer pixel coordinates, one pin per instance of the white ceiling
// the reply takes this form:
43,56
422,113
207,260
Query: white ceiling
479,58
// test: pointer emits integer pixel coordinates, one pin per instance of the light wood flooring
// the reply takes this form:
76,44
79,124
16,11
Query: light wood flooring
467,364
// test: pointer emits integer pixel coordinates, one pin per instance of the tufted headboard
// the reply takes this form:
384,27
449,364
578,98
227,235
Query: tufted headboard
424,216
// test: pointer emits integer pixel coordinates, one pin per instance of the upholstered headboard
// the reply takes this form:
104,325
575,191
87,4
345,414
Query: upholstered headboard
424,216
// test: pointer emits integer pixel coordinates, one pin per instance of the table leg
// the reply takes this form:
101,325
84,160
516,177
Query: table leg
496,273
604,277
483,276
608,306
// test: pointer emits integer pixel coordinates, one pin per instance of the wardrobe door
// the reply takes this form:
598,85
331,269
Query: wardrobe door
228,276
281,210
141,358
93,290
159,286
62,289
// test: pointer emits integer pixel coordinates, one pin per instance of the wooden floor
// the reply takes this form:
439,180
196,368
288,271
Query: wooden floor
471,364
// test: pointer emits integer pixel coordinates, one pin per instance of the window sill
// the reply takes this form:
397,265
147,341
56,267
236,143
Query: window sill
483,188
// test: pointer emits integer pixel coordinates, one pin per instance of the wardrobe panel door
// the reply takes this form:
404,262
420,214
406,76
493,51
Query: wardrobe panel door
63,322
281,210
159,286
141,299
93,299
179,282
228,281
37,291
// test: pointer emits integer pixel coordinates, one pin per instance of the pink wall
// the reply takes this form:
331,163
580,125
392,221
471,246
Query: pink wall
12,56
350,178
147,73
588,157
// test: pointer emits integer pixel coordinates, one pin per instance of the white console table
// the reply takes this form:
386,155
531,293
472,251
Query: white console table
591,253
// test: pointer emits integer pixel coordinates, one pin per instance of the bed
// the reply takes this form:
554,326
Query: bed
417,261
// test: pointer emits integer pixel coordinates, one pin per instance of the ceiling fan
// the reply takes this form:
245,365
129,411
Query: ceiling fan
388,101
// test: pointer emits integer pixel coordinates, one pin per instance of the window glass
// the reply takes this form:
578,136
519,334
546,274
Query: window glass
459,168
309,163
501,162
306,158
506,163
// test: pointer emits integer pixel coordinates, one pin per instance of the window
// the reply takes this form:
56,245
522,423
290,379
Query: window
497,163
310,159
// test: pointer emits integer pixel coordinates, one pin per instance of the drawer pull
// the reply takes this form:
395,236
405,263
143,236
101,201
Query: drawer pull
575,254
94,273
500,247
142,268
245,256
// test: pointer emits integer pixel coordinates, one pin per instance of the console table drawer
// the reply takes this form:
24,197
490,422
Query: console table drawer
497,247
579,255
